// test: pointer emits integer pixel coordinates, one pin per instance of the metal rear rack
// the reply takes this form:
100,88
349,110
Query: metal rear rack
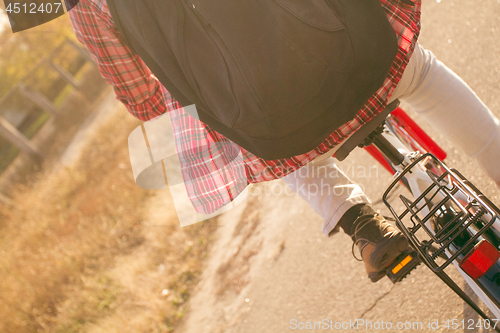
449,226
445,221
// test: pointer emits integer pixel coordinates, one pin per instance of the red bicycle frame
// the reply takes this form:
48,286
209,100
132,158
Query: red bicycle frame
414,135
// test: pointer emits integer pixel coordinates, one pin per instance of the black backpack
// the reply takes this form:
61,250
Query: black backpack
276,77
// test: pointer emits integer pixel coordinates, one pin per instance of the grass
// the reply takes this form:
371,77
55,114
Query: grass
86,250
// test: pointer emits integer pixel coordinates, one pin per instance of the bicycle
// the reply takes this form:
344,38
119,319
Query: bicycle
449,221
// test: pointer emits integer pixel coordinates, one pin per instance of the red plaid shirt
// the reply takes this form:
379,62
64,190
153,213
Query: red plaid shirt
210,184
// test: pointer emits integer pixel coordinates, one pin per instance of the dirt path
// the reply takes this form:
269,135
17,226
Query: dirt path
250,239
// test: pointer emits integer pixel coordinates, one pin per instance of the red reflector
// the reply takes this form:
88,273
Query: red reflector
477,262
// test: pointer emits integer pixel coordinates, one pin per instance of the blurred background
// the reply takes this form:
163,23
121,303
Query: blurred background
80,248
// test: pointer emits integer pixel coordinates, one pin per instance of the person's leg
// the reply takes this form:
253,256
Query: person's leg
341,202
447,103
327,189
321,183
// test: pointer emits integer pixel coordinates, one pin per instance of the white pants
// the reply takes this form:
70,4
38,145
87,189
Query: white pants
444,100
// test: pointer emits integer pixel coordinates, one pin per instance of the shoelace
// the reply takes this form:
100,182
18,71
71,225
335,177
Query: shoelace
364,221
360,225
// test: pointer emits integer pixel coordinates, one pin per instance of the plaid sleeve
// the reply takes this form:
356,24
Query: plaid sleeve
134,84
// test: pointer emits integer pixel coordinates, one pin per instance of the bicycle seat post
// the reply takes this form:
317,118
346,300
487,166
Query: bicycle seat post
359,136
391,152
